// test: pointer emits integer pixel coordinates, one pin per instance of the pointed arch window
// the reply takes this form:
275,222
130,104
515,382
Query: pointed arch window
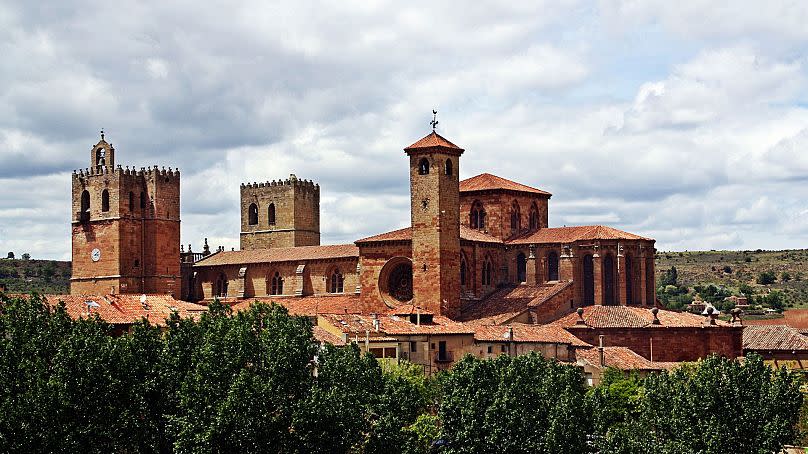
85,206
252,214
423,166
463,271
534,217
448,167
220,286
271,214
477,216
276,284
336,281
105,200
487,277
515,217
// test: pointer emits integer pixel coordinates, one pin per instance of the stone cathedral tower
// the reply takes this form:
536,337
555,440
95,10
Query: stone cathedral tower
125,227
435,213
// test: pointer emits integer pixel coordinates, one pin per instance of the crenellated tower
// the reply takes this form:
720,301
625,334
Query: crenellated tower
283,213
434,208
125,227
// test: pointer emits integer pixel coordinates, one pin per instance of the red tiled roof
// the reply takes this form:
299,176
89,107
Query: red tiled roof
405,234
488,182
324,336
312,305
621,358
284,254
572,234
795,318
433,140
393,325
633,317
118,309
773,337
409,309
523,332
507,303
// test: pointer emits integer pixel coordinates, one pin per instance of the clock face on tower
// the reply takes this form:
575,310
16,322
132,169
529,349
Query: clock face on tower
96,254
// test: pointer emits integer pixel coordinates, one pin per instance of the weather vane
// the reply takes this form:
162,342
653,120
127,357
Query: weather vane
434,121
102,134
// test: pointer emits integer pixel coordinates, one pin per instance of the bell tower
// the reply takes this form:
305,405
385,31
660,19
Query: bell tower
435,213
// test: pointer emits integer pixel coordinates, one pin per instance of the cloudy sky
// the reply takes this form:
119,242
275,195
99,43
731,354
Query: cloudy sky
683,121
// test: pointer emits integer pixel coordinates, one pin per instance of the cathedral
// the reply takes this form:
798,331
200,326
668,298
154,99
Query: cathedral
479,255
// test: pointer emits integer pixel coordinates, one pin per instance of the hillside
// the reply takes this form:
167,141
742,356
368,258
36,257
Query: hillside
42,276
733,271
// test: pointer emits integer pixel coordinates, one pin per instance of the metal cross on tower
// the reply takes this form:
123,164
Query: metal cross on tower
434,121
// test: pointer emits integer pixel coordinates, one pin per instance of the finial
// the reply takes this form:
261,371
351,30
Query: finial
102,133
434,121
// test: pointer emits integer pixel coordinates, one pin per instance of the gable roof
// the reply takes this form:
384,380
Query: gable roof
489,182
281,254
575,233
313,305
126,309
392,325
507,303
773,337
433,140
632,317
405,234
522,332
621,358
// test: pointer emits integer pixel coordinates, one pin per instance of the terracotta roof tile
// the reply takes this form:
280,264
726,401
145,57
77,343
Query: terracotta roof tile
312,305
507,303
324,336
773,337
118,309
632,317
523,332
285,254
576,233
621,358
433,140
393,325
405,234
488,182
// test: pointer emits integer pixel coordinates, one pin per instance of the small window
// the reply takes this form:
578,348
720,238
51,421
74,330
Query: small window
336,281
377,352
534,217
413,347
276,285
477,216
142,200
389,352
423,167
252,214
487,271
502,348
271,214
448,167
137,263
490,349
131,202
105,200
85,206
463,270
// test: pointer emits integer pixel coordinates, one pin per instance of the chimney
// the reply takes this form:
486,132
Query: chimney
580,321
601,354
375,322
418,316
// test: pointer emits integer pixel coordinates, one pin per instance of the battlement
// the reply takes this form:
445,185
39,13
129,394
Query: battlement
292,181
127,171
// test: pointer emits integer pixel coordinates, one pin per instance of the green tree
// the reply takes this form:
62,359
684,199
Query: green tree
670,277
524,404
785,276
26,256
766,278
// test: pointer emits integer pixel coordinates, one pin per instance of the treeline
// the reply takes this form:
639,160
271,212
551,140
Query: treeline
257,381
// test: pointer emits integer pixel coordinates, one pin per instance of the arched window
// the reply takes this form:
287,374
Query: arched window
131,202
448,167
100,157
629,280
552,266
534,217
85,206
252,214
521,267
477,215
608,281
105,200
589,280
271,214
515,217
276,286
142,200
463,270
423,167
487,271
336,281
220,286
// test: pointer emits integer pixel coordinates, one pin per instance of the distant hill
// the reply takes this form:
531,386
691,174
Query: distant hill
42,276
730,270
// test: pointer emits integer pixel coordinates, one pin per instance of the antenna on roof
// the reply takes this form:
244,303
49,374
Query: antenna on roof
434,121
